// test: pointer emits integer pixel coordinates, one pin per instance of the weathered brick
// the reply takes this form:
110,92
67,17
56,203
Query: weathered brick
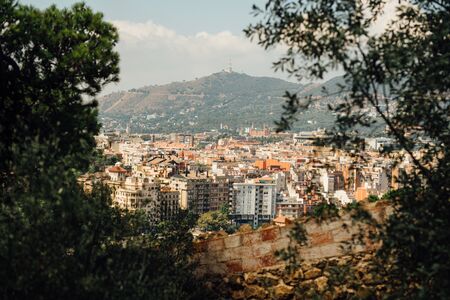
314,227
218,268
233,241
320,238
318,252
309,254
343,234
268,260
330,250
270,234
358,248
285,231
249,239
280,244
200,246
235,253
205,259
234,266
250,264
216,244
201,271
261,249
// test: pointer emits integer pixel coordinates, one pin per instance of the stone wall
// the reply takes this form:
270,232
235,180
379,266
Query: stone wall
345,277
253,251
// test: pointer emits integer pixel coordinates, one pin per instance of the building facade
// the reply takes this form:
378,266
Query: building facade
255,201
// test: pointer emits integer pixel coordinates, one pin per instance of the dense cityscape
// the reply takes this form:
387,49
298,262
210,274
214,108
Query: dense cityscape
258,176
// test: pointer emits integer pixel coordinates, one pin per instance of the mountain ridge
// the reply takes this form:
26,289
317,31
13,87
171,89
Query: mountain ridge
230,98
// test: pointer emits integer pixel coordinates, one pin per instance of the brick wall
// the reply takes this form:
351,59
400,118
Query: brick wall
251,251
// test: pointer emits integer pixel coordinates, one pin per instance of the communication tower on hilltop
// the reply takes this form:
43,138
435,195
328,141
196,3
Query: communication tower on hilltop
229,69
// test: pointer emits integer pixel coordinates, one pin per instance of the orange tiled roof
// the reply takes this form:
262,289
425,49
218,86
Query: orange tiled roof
117,169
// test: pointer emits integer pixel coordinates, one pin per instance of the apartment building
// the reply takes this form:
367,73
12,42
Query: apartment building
136,193
254,202
195,192
166,207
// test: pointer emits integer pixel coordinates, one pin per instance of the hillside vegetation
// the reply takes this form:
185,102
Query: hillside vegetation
233,99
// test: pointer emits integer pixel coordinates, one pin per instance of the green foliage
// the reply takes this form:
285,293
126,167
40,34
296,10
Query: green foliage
324,211
100,161
372,198
392,195
216,220
49,61
56,241
399,76
233,99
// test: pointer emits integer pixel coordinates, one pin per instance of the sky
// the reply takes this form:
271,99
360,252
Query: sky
173,40
162,41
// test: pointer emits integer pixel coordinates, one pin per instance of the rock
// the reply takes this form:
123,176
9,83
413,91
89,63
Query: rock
305,267
237,295
365,292
321,284
202,236
235,282
307,284
221,233
338,291
313,273
333,261
250,278
277,272
328,295
367,257
254,291
267,280
297,274
321,264
372,279
208,285
282,291
364,267
344,260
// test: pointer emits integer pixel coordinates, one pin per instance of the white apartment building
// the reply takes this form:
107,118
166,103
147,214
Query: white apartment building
136,193
254,202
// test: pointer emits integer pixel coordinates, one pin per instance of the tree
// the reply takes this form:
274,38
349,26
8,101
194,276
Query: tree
215,220
372,198
100,161
56,241
401,75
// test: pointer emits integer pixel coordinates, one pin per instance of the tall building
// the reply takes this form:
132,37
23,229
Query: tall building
221,192
136,193
166,207
194,192
160,204
255,201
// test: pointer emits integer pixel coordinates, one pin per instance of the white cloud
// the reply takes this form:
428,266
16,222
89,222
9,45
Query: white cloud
389,14
153,54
